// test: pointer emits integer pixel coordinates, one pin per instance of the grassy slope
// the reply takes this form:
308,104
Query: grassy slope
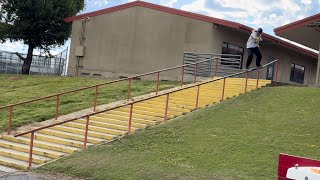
238,139
15,89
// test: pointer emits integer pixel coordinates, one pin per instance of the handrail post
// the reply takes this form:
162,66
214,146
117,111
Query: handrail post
57,107
10,119
182,75
216,68
95,99
246,85
167,106
277,69
195,72
158,79
31,150
223,89
130,118
129,88
197,100
86,133
258,77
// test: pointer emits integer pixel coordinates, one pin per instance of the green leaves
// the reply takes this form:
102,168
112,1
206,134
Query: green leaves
37,22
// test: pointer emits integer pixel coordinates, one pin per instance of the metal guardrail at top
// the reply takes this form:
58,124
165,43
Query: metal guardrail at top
96,88
131,104
228,64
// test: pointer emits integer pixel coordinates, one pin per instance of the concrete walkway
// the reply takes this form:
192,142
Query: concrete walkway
33,176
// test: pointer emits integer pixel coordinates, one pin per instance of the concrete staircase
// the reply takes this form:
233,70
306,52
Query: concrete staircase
61,140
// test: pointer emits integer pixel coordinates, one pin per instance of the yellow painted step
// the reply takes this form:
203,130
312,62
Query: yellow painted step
172,108
96,129
26,148
134,115
10,162
58,140
118,122
126,119
106,125
42,144
178,105
72,136
142,112
22,156
150,109
81,132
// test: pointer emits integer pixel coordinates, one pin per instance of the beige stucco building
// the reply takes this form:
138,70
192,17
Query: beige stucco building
140,37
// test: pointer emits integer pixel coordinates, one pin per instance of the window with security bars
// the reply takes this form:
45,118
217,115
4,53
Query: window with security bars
228,48
297,73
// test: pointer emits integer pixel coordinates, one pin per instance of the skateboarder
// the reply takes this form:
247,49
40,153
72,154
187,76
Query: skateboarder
253,47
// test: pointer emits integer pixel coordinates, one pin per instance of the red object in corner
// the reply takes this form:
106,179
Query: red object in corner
288,161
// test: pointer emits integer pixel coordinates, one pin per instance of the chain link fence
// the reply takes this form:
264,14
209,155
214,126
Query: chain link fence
10,63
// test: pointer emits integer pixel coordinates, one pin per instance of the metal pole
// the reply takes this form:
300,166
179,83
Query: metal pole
223,89
258,76
158,79
195,72
277,69
31,149
197,101
245,88
182,75
130,118
86,133
10,119
57,107
129,88
216,68
95,99
167,106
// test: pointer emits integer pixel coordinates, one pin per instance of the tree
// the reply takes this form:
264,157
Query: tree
38,23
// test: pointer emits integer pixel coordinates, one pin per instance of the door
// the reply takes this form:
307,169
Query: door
270,68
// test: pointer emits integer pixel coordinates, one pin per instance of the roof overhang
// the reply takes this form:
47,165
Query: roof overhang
305,31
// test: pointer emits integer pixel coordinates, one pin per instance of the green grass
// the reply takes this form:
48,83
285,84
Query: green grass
15,89
238,139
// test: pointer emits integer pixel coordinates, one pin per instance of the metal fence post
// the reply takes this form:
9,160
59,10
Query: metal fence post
167,106
158,79
86,133
10,119
130,118
223,89
195,72
57,107
197,100
129,88
31,150
95,99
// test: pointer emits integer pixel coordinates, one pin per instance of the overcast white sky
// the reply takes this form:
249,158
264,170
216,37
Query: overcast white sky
267,14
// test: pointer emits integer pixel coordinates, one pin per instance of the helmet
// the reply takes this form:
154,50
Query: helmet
260,30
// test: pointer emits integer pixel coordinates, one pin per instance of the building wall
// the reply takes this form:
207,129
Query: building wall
138,40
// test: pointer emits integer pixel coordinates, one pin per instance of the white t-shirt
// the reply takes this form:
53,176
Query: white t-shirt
252,43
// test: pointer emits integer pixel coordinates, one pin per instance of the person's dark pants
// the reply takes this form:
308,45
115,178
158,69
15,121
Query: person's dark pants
255,51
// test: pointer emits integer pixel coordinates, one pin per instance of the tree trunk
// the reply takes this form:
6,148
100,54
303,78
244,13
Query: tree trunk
27,63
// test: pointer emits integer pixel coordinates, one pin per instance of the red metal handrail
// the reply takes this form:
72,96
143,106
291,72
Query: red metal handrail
97,90
131,108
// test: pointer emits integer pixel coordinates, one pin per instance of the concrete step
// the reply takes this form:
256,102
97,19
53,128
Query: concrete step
14,163
42,144
7,169
118,122
72,136
59,140
96,128
23,156
106,125
26,148
126,119
81,132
